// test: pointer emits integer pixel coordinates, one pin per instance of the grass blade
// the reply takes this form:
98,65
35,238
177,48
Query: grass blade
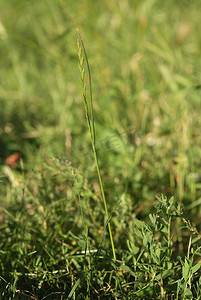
82,55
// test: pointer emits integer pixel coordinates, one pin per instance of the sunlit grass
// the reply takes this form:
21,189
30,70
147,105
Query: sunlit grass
145,64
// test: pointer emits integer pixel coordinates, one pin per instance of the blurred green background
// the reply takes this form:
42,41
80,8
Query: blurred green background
145,64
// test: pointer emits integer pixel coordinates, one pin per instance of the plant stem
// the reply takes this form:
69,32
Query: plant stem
89,112
104,200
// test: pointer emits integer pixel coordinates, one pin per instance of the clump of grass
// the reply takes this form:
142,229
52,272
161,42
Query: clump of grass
89,112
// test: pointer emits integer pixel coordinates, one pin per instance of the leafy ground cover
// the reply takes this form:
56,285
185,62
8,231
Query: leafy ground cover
145,65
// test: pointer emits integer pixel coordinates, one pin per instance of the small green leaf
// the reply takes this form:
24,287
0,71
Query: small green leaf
132,248
196,267
126,268
165,229
195,239
188,294
185,270
145,241
171,201
155,257
152,219
138,233
167,273
139,224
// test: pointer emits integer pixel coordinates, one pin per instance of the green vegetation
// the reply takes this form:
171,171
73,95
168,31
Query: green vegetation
104,201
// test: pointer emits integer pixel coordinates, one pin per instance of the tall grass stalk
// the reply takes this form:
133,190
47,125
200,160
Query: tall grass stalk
89,112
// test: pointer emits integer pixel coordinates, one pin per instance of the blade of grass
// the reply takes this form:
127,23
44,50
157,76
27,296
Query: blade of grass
89,112
73,289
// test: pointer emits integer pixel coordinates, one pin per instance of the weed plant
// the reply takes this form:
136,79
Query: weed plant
59,238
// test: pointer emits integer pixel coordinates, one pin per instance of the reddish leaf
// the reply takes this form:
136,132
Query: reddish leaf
12,159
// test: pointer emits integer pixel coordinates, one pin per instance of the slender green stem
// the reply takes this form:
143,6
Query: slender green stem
169,238
104,200
89,112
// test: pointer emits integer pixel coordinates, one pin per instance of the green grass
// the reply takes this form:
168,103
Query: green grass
59,238
89,112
